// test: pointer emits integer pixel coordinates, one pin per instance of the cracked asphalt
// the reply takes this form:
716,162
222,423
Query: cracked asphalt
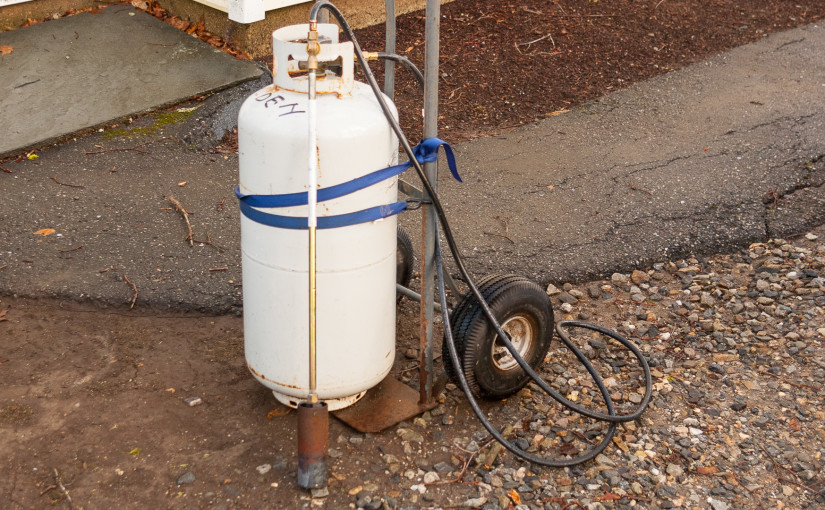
706,159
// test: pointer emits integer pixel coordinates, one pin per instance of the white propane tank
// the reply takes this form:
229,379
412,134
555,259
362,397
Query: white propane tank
356,264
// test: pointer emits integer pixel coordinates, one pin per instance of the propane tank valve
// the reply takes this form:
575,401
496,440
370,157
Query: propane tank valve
313,47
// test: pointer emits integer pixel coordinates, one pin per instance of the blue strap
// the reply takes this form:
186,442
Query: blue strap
427,151
340,220
339,190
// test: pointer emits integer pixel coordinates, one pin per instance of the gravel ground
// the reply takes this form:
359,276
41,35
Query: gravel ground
736,347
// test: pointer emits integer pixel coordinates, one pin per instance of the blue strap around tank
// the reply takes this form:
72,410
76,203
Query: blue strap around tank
426,151
336,221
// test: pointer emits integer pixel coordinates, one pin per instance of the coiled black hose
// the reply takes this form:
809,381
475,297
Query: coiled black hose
611,417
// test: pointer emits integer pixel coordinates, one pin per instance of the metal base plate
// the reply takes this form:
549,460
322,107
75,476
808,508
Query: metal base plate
385,405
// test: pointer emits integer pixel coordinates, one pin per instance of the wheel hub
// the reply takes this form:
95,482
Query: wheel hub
520,330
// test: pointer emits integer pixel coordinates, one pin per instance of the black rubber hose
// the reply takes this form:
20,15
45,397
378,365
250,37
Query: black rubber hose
612,418
619,338
462,380
404,61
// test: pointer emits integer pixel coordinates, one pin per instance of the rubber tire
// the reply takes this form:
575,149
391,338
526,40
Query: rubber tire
405,260
507,296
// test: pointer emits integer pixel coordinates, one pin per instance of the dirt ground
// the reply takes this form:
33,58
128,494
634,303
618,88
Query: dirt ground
94,414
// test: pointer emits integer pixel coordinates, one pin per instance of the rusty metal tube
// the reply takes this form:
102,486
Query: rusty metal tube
429,220
313,444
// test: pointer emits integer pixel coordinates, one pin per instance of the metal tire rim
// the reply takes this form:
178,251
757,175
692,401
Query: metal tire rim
520,329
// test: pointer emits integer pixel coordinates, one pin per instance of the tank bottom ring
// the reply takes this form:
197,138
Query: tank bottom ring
333,404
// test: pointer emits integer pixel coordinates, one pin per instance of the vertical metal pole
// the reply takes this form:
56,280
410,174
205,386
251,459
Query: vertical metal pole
428,228
389,47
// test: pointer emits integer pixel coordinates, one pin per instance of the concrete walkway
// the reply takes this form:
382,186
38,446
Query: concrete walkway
703,159
75,73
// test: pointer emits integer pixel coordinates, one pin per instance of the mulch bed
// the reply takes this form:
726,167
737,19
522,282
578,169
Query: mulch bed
506,63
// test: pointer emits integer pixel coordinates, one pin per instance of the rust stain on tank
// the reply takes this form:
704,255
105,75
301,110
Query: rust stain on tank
265,378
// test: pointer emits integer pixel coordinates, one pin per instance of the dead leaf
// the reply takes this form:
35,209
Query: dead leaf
135,452
707,470
514,497
29,22
45,231
609,496
279,411
182,184
5,49
3,315
795,425
177,23
568,449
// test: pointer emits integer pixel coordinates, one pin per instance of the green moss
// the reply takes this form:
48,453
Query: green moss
161,119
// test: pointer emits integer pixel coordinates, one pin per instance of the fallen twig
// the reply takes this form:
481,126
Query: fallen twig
753,496
224,268
219,207
483,15
506,230
6,170
546,36
777,466
54,178
499,235
488,460
62,488
636,188
4,266
457,479
135,148
798,385
180,209
209,242
72,249
134,289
